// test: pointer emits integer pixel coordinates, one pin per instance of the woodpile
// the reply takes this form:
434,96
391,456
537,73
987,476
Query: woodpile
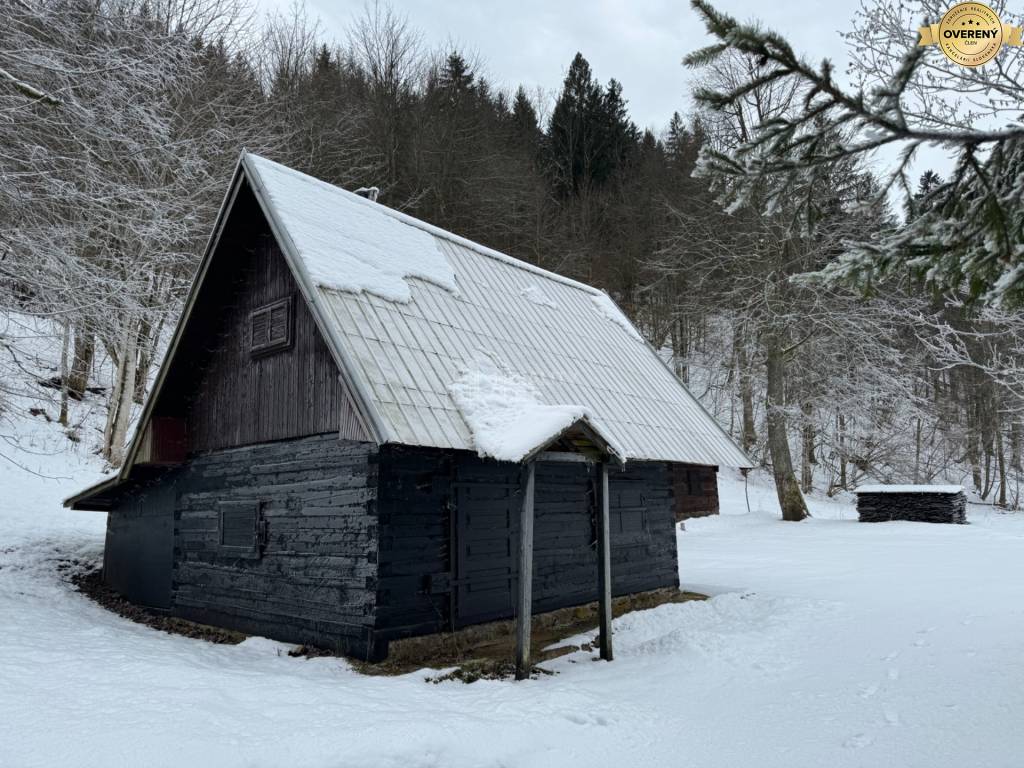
916,503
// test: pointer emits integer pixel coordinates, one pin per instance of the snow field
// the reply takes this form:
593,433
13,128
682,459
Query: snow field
825,643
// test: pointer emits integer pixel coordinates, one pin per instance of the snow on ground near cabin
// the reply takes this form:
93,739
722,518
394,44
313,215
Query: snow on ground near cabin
827,643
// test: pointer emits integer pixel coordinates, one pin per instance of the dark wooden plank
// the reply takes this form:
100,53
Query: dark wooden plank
604,564
420,531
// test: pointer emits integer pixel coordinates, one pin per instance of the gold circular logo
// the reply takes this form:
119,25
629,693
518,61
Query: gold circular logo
970,34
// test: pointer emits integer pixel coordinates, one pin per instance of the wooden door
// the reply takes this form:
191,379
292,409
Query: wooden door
486,517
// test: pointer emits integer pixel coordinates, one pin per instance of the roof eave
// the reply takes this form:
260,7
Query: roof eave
749,463
76,501
592,432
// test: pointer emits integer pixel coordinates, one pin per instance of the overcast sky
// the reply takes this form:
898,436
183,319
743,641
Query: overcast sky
639,42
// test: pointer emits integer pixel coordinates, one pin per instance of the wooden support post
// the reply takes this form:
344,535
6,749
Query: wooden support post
604,564
524,603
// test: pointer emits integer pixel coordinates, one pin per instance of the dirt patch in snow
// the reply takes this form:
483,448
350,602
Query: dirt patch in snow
90,583
486,669
485,651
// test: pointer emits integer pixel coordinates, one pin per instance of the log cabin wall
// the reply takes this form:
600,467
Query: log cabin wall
643,538
434,504
231,395
278,540
312,577
695,490
414,508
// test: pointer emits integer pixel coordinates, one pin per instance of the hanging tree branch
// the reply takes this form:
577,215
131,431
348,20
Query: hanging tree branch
969,236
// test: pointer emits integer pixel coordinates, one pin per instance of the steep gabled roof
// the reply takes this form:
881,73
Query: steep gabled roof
414,310
416,317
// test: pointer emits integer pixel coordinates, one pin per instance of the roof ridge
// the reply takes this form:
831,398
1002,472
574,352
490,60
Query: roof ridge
440,232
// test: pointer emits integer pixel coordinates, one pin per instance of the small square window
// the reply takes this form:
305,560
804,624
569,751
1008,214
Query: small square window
241,530
271,327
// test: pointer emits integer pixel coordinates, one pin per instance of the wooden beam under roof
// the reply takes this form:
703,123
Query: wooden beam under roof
604,564
524,601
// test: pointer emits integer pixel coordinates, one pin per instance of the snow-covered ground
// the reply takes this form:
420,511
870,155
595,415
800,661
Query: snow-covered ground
827,643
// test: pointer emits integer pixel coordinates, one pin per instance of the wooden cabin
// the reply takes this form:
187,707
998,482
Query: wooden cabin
366,428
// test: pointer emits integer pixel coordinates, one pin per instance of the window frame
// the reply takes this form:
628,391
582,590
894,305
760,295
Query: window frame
254,549
271,346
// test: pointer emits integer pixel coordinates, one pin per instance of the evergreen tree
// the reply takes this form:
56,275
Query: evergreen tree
620,135
929,182
455,80
575,132
590,136
678,139
525,125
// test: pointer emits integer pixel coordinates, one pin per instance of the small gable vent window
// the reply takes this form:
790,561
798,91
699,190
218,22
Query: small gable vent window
271,327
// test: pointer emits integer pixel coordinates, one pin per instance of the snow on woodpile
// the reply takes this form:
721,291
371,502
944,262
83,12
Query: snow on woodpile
914,503
910,489
347,242
504,411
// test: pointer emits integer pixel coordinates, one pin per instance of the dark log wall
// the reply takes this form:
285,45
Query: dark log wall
313,582
921,507
695,490
137,557
414,512
419,520
362,547
228,396
643,538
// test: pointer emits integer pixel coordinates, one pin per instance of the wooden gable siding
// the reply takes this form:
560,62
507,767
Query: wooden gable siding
231,397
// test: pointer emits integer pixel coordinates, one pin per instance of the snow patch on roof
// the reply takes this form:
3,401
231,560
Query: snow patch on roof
534,295
610,310
347,242
504,412
909,489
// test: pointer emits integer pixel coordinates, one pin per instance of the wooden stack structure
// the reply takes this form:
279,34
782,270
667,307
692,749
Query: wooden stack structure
915,503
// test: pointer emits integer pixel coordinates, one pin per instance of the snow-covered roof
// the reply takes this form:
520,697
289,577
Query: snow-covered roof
417,313
909,489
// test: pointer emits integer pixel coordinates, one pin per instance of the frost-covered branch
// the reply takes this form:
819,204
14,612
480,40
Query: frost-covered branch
30,90
966,235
